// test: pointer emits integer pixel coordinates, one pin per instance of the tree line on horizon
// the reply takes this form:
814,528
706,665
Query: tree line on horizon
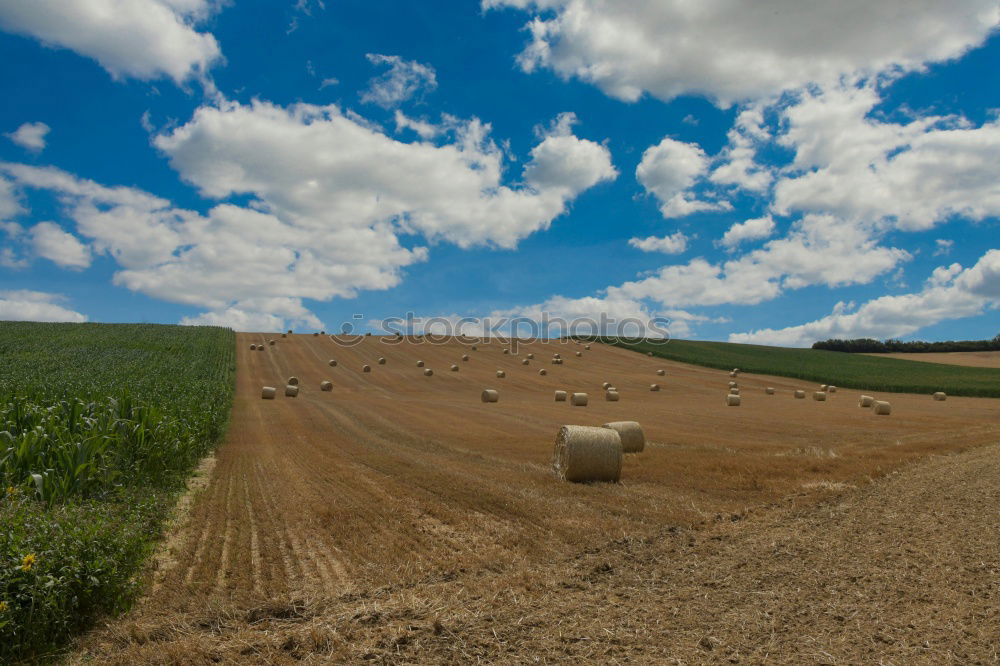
872,346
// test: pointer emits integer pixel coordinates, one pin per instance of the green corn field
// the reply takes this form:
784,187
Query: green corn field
99,425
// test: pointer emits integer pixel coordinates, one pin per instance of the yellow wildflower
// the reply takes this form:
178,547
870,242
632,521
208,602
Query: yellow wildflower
28,562
11,490
3,606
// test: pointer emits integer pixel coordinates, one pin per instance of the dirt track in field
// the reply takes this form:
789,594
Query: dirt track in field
407,491
982,359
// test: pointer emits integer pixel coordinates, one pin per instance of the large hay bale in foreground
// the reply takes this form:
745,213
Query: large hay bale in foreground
584,453
291,390
732,401
819,396
632,436
332,363
865,401
611,395
490,395
293,381
940,396
579,399
501,374
561,396
882,408
800,394
428,372
326,385
268,393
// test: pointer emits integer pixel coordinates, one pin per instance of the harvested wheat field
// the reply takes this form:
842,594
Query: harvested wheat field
979,359
400,519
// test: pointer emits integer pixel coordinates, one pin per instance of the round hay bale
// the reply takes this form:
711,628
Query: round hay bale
736,370
579,353
865,401
579,399
490,395
632,436
366,368
270,342
769,390
326,386
831,389
940,396
587,347
661,373
606,385
557,361
293,381
881,408
501,374
543,372
324,333
253,347
733,384
654,387
823,387
332,363
531,356
315,335
268,393
506,351
584,453
420,364
800,394
260,347
819,396
465,357
561,396
649,353
732,374
525,362
732,401
284,335
454,368
734,391
381,360
428,372
611,395
475,348
291,390
289,331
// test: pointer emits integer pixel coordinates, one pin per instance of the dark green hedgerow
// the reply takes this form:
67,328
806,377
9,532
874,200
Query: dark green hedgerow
99,427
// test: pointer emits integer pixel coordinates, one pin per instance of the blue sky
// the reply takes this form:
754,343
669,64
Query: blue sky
766,172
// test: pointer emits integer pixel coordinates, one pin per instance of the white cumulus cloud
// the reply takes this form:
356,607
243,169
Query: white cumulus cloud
30,136
668,170
27,305
754,229
143,39
62,248
675,243
405,79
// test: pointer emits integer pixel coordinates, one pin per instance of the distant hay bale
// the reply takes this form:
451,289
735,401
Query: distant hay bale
531,356
732,374
284,335
831,389
800,394
322,332
654,387
611,395
332,363
819,396
866,401
769,390
490,395
268,393
289,331
381,360
525,362
736,370
579,353
366,368
543,372
475,348
661,372
291,390
940,396
270,342
428,372
732,401
557,361
649,353
579,399
584,453
465,357
501,374
253,347
420,364
631,434
561,396
293,381
734,391
733,384
260,347
326,386
506,351
454,368
606,385
368,335
882,408
587,347
315,335
823,387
